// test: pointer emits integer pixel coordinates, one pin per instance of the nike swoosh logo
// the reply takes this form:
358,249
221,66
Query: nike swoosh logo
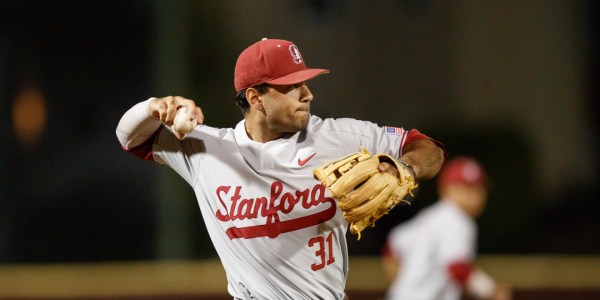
302,162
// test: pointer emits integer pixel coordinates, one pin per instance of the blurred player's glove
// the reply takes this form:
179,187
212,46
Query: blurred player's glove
363,193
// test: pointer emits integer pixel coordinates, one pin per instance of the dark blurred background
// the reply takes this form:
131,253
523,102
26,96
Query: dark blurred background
513,83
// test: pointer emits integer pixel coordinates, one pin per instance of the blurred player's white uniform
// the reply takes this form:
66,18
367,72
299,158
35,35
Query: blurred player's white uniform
438,239
435,251
276,229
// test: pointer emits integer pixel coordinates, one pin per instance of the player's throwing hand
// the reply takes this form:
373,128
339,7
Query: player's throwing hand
165,109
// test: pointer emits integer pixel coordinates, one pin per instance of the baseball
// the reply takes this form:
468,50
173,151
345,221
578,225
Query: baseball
182,122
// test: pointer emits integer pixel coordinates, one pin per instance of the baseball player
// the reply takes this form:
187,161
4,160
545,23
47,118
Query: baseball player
275,227
432,255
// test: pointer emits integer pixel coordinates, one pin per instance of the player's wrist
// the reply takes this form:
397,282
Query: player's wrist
409,167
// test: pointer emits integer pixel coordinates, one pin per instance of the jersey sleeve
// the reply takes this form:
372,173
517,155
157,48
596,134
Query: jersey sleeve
351,135
388,139
392,140
137,130
144,150
414,135
457,250
180,155
459,271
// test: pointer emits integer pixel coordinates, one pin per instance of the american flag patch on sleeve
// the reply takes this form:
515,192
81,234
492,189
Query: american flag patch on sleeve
397,131
393,130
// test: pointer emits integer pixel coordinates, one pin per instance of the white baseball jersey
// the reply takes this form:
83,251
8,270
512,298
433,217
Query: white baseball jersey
438,237
275,227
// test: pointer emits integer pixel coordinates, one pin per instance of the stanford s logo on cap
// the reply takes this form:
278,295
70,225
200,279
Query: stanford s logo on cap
295,54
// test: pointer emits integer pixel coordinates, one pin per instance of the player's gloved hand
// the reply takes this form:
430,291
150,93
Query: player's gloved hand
366,186
165,109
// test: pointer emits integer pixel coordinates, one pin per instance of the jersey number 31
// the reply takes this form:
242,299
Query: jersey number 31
324,251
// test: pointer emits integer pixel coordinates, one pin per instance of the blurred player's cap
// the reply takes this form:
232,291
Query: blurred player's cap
272,61
462,170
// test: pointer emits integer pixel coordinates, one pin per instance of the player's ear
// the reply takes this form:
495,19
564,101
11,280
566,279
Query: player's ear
254,98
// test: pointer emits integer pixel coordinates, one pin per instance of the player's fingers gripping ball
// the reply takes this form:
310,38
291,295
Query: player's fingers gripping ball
363,193
182,122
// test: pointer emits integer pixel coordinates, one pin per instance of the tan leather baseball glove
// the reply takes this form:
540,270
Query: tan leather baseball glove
363,193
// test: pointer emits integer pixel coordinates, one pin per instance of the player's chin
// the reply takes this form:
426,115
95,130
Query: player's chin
298,124
303,119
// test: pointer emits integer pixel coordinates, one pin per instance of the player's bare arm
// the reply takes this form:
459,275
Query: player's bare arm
425,157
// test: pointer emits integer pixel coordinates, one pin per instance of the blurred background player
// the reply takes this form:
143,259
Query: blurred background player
432,255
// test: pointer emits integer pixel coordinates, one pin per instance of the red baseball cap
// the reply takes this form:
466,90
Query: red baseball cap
272,61
462,170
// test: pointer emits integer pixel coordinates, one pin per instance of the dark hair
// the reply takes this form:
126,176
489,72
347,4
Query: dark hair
240,97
